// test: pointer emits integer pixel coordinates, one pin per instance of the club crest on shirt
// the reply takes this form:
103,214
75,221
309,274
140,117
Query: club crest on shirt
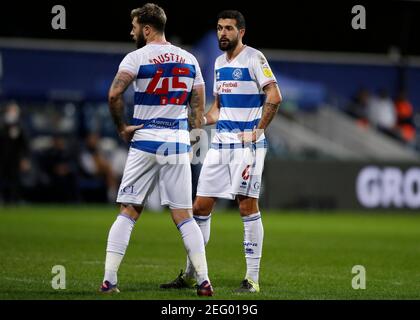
237,74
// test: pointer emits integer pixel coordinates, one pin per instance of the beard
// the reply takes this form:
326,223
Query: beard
140,41
228,45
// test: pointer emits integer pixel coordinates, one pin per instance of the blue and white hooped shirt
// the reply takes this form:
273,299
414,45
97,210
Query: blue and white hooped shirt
239,84
165,76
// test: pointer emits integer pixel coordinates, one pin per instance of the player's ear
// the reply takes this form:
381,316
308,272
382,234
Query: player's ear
146,30
242,32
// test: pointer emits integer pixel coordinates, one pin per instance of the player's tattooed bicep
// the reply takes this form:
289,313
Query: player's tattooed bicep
121,81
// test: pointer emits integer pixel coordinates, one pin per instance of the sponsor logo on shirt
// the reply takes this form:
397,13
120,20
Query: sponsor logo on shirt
227,86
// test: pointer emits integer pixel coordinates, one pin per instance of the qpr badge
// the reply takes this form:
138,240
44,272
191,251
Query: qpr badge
237,74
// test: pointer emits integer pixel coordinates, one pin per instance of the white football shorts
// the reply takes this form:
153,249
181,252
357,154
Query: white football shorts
143,170
230,172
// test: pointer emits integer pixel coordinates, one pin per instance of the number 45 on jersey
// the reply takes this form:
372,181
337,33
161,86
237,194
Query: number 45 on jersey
163,90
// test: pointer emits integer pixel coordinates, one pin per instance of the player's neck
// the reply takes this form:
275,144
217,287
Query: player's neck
235,52
157,38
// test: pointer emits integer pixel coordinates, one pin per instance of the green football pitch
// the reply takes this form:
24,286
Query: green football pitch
305,256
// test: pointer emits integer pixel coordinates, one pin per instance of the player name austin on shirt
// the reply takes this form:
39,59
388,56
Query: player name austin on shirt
167,57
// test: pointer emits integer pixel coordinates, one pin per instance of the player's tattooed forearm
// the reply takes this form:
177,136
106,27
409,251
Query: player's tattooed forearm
271,107
196,110
118,83
116,108
269,112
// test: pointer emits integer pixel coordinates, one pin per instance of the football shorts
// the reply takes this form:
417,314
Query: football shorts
230,172
143,170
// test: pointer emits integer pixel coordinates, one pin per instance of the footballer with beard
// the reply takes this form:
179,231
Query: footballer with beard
167,81
247,98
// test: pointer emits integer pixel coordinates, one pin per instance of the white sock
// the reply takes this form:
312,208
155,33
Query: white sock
204,224
112,263
194,244
118,238
253,242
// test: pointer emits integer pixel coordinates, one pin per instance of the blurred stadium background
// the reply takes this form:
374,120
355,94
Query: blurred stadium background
346,138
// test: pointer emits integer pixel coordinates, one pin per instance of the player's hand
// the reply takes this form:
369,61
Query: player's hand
127,132
250,136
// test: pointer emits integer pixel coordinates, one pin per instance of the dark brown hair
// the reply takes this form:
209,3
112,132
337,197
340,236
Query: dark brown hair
233,14
150,14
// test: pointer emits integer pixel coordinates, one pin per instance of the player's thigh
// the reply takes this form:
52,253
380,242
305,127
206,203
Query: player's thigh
215,177
139,177
175,184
